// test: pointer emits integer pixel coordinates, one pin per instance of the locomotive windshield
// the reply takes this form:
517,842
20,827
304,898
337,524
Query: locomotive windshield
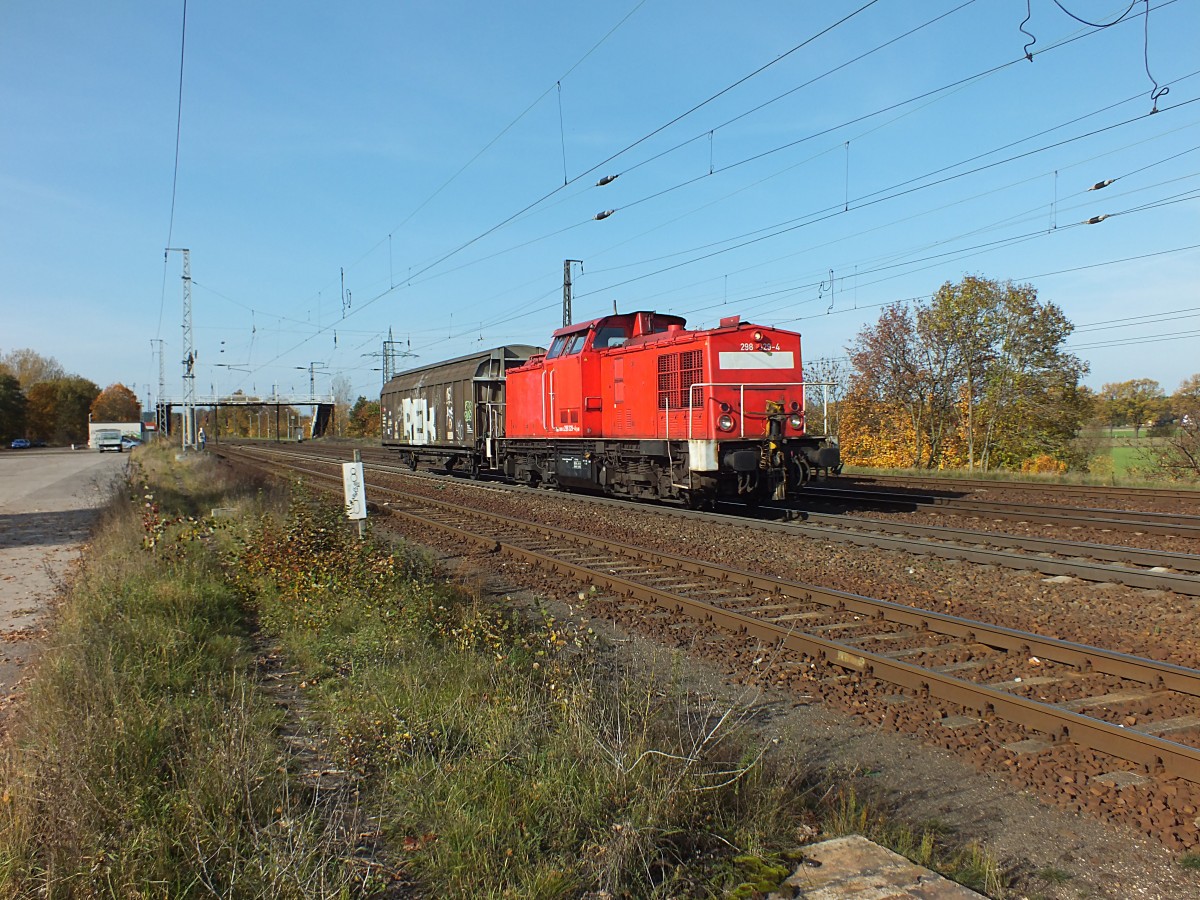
567,345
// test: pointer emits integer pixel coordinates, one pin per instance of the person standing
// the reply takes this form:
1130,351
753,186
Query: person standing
201,438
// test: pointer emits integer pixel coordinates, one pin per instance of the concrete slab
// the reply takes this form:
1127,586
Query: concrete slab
854,867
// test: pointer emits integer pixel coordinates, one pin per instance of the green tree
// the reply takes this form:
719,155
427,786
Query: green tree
1136,402
1032,404
13,404
1108,407
116,403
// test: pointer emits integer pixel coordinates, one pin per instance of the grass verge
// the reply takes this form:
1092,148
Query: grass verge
480,753
144,760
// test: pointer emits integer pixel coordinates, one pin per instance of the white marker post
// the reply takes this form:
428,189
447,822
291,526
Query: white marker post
355,489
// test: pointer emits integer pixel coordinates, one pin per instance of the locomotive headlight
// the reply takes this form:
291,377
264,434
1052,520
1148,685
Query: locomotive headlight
758,336
725,422
796,421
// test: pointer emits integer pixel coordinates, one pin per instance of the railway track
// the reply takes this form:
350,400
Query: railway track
1177,524
1141,568
1092,493
1065,691
1136,567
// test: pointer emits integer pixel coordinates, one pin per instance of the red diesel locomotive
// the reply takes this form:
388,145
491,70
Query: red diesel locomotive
631,405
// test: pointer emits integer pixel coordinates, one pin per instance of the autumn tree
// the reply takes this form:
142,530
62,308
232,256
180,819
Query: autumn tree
825,384
364,419
342,389
1177,454
890,381
31,368
978,372
58,410
116,403
235,419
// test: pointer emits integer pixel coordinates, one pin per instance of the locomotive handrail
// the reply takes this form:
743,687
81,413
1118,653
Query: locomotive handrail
741,386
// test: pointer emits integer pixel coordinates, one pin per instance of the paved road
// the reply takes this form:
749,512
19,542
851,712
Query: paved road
48,502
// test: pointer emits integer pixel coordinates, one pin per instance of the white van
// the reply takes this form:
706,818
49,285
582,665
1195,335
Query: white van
108,439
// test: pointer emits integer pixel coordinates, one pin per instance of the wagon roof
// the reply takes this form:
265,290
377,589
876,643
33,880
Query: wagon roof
465,366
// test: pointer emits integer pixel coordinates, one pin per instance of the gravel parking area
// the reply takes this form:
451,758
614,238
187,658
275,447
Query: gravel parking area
49,502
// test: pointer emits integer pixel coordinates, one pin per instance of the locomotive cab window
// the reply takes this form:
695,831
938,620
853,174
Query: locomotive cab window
610,336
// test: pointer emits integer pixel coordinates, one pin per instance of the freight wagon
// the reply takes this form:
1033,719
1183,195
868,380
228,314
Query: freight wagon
451,413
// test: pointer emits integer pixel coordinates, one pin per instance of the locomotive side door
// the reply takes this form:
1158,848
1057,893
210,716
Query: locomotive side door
562,385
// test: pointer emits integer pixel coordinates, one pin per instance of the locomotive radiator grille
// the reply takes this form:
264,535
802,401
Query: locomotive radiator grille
677,372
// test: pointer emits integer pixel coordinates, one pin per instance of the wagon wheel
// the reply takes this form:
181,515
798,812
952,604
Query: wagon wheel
803,471
474,470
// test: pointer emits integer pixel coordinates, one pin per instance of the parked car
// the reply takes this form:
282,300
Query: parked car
20,444
128,443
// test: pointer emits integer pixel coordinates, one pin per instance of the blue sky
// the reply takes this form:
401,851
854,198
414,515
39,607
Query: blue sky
765,170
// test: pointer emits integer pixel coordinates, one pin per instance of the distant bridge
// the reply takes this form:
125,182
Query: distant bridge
322,418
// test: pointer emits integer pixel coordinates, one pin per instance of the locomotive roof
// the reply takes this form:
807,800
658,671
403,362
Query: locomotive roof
577,327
